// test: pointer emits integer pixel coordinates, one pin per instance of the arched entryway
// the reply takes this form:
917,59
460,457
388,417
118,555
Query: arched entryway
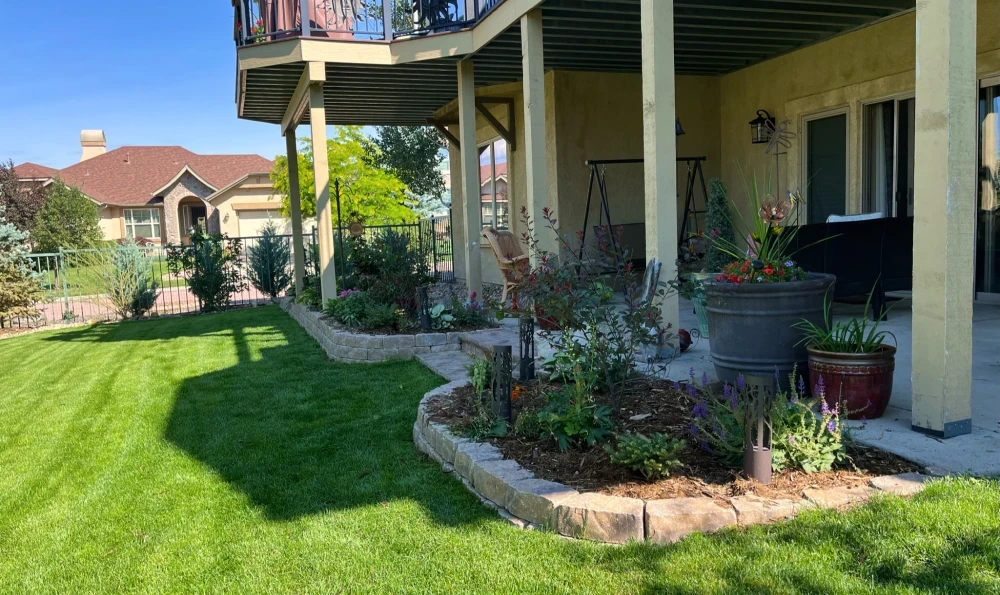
191,211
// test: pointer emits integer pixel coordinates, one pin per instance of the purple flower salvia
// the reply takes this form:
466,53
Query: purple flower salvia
693,429
777,375
802,385
704,446
704,378
692,390
824,408
691,372
832,426
791,439
701,410
741,382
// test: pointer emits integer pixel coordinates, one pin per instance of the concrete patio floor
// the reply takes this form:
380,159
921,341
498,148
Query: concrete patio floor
977,453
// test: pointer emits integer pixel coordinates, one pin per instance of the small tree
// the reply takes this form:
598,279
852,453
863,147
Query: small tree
19,288
719,224
22,201
269,259
124,276
212,266
67,219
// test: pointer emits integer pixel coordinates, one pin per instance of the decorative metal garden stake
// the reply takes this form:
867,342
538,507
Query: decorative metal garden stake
425,308
503,381
759,398
526,365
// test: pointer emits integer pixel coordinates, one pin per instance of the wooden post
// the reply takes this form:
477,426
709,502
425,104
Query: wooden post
536,166
944,204
298,243
470,176
324,217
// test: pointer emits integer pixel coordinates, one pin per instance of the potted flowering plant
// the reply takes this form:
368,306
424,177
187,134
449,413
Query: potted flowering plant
852,360
755,301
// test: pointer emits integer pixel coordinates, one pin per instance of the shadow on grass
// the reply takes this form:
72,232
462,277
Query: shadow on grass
295,432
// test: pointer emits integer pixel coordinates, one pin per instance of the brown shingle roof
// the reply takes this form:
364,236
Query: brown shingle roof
28,170
132,175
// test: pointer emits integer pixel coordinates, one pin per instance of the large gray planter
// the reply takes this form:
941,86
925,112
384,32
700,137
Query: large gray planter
750,325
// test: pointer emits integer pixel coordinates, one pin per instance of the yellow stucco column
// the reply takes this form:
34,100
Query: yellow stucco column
944,205
536,168
298,244
321,171
472,214
660,145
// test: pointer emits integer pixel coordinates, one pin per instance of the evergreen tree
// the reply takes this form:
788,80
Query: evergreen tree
720,225
414,155
269,259
67,219
19,288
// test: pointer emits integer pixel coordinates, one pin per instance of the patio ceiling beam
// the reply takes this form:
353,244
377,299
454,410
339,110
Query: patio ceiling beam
313,73
482,106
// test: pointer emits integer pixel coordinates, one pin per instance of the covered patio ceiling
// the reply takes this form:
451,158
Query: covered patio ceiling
712,37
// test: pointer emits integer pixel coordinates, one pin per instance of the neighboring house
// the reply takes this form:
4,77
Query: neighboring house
160,193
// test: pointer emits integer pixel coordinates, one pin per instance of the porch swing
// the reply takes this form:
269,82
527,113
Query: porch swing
632,233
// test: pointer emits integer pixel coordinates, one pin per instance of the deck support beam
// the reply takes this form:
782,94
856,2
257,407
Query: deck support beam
944,206
660,146
472,213
535,152
321,173
298,242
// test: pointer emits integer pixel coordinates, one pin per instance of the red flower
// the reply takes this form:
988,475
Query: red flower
768,270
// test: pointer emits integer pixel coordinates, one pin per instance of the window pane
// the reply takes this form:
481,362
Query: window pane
826,167
879,157
145,231
486,185
500,184
154,215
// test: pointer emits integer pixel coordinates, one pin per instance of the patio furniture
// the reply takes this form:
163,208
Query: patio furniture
869,256
511,259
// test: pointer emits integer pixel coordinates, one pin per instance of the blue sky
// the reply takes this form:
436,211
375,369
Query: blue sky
146,73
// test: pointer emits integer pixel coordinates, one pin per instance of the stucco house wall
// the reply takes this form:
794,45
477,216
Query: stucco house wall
239,209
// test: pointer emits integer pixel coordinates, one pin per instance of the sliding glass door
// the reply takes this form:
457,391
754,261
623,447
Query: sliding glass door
988,211
888,162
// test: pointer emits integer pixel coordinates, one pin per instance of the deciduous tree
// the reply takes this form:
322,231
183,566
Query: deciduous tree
21,201
368,194
67,219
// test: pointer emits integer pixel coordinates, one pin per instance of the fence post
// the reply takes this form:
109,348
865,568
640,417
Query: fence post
65,287
304,17
387,20
434,246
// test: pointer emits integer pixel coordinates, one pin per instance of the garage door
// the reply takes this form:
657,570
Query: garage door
252,222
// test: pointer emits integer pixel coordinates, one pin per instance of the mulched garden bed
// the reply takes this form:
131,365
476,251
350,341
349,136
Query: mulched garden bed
669,412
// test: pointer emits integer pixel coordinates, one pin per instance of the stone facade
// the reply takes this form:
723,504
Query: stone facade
186,186
532,503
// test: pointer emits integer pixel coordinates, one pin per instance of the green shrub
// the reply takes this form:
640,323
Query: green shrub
480,371
124,275
213,267
654,456
806,433
270,259
527,424
718,223
484,423
471,313
390,269
356,309
573,419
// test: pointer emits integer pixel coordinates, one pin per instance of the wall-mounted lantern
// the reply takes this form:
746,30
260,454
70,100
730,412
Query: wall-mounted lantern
760,133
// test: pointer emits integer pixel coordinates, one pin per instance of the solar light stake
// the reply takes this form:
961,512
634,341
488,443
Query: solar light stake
503,381
526,365
425,308
759,399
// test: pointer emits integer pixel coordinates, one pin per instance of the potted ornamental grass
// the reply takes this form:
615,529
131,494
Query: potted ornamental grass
850,362
754,303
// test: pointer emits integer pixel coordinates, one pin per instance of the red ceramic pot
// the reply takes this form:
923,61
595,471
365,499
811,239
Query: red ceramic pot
861,383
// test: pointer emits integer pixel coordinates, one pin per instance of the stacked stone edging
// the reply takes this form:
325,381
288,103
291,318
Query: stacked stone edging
348,346
529,502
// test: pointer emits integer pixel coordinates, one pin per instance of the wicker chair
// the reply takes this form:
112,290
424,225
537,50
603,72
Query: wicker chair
511,258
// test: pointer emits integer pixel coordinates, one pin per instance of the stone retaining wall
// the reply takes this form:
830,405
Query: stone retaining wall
529,502
347,346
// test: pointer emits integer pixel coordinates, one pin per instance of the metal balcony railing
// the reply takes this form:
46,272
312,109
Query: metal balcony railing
257,21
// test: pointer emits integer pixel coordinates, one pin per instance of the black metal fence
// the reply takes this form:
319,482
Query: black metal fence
431,237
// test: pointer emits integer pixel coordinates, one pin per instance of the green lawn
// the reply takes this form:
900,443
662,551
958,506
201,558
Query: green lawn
225,453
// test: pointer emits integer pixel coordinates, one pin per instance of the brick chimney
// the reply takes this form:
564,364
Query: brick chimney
93,144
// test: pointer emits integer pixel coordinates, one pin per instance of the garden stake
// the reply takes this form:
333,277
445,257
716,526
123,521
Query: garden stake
526,365
759,396
503,381
425,308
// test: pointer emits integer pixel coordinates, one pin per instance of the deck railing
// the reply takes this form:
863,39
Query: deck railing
258,21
